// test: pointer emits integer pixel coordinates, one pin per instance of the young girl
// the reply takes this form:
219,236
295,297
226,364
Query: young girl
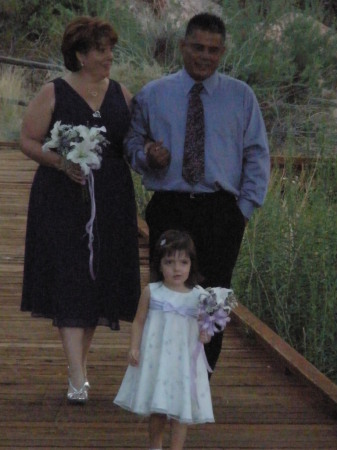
167,377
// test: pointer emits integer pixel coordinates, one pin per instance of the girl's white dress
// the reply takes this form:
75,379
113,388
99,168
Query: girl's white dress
172,375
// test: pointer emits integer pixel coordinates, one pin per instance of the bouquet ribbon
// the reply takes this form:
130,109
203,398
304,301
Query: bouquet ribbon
211,323
199,348
90,223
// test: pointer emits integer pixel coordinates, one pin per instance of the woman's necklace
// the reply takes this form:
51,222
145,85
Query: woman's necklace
95,88
92,92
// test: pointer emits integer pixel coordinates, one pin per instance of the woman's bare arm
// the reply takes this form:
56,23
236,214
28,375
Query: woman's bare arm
34,131
35,127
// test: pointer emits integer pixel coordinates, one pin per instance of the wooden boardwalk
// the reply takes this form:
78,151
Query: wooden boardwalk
265,395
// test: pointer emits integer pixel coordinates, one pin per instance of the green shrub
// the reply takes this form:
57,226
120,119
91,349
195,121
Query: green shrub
286,272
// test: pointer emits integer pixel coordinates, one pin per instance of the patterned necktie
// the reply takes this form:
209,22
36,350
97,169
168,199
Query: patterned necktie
193,162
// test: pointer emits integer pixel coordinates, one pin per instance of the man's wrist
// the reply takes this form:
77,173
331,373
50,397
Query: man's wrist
147,146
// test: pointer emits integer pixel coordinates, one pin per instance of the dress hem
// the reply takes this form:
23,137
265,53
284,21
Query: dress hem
167,414
114,326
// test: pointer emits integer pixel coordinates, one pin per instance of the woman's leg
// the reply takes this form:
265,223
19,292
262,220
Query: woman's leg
156,430
87,340
178,435
72,340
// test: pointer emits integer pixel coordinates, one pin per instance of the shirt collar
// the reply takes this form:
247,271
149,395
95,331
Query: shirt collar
209,84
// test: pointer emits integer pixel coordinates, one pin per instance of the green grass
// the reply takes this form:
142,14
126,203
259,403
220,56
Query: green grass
11,89
286,272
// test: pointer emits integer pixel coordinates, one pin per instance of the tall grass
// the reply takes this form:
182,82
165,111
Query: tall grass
134,78
286,272
12,80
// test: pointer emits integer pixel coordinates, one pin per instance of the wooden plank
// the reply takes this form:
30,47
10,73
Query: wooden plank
257,404
289,357
9,144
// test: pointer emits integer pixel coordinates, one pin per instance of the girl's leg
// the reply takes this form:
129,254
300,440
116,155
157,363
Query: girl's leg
178,435
156,430
72,340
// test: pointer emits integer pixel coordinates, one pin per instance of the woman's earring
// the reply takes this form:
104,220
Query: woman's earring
82,64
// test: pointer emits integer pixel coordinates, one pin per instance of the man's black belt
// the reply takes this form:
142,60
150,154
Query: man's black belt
194,195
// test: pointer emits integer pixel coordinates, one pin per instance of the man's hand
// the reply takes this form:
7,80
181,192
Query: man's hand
157,156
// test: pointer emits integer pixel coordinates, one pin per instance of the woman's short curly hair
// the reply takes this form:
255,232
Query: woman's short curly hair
83,34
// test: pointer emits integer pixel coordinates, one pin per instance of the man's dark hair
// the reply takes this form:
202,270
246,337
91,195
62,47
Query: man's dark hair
206,22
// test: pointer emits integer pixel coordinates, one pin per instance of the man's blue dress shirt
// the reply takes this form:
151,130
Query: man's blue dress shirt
236,146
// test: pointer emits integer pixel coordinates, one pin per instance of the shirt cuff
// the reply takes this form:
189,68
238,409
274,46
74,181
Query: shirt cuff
246,207
141,160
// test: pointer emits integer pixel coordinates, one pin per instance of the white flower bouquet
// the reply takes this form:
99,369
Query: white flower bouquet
84,146
78,144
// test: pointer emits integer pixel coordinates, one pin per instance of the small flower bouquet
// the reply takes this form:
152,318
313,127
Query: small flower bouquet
84,146
215,305
214,309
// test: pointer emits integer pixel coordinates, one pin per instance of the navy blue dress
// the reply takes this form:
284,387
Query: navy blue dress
57,282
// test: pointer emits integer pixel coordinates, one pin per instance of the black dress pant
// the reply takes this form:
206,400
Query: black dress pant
216,226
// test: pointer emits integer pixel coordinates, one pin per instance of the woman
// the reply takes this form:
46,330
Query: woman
58,278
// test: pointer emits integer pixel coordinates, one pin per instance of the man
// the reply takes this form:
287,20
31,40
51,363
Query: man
215,198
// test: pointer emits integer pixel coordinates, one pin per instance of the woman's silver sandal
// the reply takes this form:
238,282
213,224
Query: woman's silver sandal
77,395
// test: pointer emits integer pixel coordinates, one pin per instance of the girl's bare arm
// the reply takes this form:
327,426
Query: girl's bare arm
138,326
